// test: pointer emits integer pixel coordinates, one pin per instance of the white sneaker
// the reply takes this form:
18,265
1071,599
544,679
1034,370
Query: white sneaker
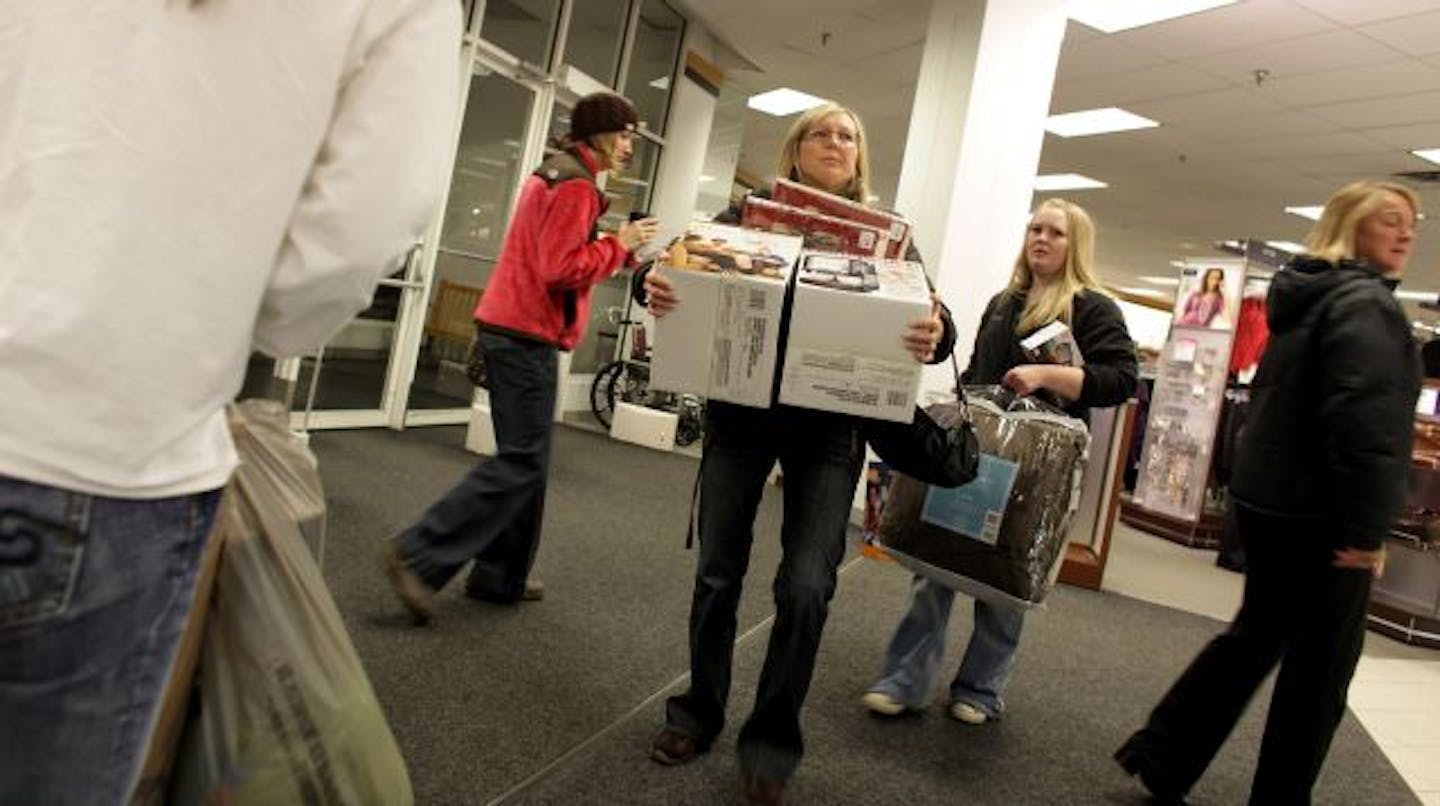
967,713
881,703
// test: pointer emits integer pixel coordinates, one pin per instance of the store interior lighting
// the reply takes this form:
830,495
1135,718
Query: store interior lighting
783,101
1431,154
1311,212
1166,281
1067,182
1110,16
1096,121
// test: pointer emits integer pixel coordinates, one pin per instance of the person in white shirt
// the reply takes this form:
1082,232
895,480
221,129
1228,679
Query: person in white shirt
181,181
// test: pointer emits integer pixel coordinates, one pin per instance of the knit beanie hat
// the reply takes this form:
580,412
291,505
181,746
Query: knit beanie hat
600,113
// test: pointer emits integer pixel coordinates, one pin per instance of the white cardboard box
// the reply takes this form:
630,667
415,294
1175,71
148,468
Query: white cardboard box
644,426
846,351
480,436
722,340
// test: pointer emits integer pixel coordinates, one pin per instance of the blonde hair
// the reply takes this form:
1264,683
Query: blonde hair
1055,301
859,187
1333,236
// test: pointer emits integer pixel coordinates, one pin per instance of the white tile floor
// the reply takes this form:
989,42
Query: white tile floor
1396,690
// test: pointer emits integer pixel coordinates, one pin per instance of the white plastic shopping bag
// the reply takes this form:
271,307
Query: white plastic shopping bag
287,713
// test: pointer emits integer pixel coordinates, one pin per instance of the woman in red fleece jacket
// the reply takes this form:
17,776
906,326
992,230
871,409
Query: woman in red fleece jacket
536,303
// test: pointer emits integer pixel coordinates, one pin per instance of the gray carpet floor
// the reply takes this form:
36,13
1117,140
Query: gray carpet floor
553,702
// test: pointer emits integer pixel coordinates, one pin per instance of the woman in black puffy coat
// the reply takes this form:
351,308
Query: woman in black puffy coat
1320,474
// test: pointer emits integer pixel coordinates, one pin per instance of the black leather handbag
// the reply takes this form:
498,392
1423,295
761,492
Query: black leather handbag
938,446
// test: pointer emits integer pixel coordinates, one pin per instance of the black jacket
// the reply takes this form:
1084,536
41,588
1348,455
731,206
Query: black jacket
1111,370
1331,422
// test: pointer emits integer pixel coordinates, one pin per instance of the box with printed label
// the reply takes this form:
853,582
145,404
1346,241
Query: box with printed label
895,227
722,340
845,351
821,232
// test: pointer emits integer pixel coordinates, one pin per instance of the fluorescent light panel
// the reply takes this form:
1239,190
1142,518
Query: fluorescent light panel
1431,154
1121,15
1067,182
1311,212
783,101
1286,246
1096,121
1170,281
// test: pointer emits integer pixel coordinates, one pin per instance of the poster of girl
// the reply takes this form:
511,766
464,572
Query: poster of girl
1208,298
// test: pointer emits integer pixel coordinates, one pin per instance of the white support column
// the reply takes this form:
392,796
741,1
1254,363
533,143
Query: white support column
974,145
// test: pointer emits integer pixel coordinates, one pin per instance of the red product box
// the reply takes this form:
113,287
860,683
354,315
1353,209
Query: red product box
821,232
807,198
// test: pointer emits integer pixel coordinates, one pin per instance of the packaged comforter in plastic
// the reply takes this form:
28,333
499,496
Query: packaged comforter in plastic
1000,537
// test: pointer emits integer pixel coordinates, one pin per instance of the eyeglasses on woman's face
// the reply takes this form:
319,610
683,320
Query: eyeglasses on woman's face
842,137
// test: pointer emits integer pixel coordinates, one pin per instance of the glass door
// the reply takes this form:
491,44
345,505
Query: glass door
490,164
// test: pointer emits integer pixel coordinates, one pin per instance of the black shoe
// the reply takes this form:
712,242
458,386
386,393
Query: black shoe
673,748
763,792
1132,758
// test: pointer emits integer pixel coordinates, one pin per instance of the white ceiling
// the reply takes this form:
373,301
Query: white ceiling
1351,86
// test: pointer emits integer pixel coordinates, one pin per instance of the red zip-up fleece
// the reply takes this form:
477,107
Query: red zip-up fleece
552,255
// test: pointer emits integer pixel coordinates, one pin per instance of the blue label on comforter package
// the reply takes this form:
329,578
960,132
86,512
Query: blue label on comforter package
975,509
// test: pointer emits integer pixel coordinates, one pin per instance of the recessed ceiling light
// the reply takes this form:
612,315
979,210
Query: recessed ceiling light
1161,280
1311,212
1431,154
1287,246
1067,182
783,101
1096,121
706,178
1120,15
661,83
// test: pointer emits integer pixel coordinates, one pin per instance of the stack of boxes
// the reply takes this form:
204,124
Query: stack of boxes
852,301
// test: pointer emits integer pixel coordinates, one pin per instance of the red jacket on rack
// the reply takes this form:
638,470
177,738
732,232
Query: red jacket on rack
553,254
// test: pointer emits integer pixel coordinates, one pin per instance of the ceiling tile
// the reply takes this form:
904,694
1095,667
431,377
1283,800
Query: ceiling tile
1101,57
1254,22
1311,54
1164,81
847,39
1420,135
1257,126
1400,110
1351,12
1315,89
1414,35
1226,103
1300,145
1344,168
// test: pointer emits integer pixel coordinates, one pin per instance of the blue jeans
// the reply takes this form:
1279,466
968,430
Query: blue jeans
94,594
493,514
918,648
820,455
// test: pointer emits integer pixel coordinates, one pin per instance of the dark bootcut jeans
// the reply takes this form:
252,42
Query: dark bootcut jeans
1298,611
820,455
493,514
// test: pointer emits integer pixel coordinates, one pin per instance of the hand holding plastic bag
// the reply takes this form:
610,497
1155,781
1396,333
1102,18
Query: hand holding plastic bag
287,712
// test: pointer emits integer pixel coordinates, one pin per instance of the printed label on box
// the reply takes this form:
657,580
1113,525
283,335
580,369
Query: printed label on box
850,383
975,509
